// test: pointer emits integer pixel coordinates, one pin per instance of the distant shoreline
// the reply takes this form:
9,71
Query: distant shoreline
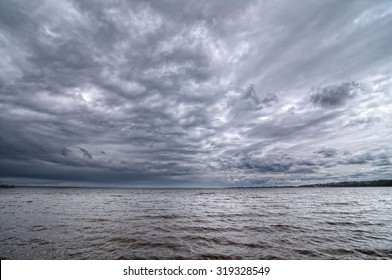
373,183
6,186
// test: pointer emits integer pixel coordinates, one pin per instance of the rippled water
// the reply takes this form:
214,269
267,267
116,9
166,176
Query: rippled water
300,223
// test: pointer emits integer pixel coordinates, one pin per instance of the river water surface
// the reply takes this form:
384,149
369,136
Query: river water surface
275,223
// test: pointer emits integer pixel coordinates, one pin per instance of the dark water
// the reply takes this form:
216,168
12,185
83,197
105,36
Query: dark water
302,223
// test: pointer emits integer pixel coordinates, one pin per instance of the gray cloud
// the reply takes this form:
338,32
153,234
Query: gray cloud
196,92
66,152
334,95
86,154
377,158
270,98
327,152
362,121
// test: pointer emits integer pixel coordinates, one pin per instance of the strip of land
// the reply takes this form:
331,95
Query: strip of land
374,183
5,186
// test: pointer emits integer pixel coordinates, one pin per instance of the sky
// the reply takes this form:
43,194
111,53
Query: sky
195,93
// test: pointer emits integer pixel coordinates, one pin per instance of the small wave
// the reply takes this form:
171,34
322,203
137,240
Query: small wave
98,220
223,241
371,253
138,243
207,229
339,252
340,223
288,228
307,253
272,257
162,217
75,255
212,240
150,257
39,241
124,240
151,244
217,257
38,228
205,193
338,203
256,245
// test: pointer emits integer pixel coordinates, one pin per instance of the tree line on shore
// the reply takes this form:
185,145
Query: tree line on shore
374,183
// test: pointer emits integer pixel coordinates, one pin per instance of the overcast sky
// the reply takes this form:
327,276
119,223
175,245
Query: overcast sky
195,93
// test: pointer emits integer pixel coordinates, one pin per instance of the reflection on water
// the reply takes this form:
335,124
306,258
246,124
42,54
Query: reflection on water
300,223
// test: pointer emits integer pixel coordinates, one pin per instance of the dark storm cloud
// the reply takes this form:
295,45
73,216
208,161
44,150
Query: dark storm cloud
272,164
86,154
270,98
334,95
66,152
161,92
327,152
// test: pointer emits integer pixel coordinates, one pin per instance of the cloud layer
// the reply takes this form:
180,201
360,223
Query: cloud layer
195,93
